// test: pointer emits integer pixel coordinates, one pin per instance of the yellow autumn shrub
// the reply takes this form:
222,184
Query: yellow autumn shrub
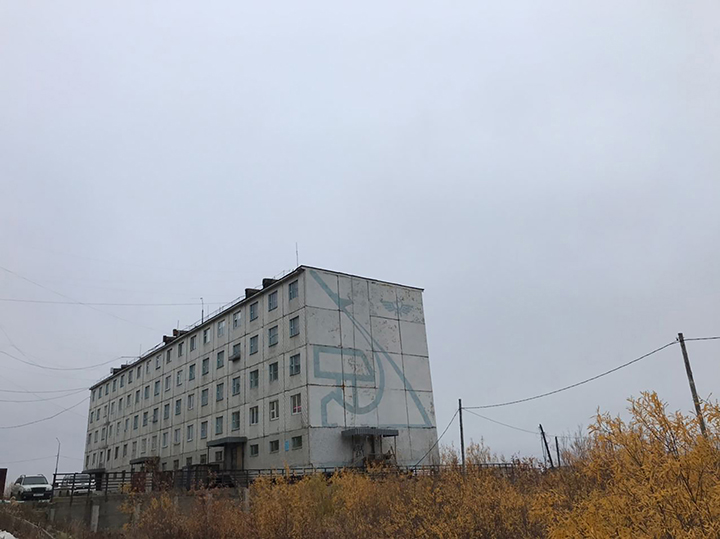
654,475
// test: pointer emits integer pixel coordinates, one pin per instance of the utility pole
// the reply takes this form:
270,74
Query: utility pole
547,448
57,459
691,380
557,449
462,437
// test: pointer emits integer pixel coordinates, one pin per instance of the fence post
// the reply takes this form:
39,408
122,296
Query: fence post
72,489
107,480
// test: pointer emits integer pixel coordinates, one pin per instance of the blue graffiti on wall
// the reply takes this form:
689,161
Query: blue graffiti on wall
380,355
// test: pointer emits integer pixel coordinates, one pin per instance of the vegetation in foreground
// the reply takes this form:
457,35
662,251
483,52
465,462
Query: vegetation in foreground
653,476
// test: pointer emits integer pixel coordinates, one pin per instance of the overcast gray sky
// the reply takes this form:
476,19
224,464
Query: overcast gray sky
547,171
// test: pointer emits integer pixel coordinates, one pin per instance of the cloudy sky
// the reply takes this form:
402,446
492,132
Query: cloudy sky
547,171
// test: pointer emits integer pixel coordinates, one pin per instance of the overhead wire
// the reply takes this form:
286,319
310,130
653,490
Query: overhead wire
571,386
46,391
56,397
46,367
6,427
536,433
74,300
439,438
108,304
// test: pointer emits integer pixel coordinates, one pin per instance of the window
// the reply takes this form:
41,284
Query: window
156,415
181,349
158,361
253,310
157,389
236,320
274,410
168,382
236,385
147,368
164,439
190,432
145,419
102,434
296,403
221,328
125,450
137,395
272,301
122,380
219,425
235,420
191,401
253,345
166,411
254,450
296,442
203,430
218,456
236,351
114,385
220,391
179,378
143,445
153,443
191,372
168,355
92,396
127,423
294,364
96,437
204,397
295,326
293,290
206,366
203,459
188,461
120,400
193,342
109,431
273,372
107,389
206,336
134,449
254,415
130,376
136,420
273,336
105,410
176,437
178,406
254,378
274,446
220,362
112,408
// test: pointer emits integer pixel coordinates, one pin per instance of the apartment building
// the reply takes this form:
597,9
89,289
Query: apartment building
316,368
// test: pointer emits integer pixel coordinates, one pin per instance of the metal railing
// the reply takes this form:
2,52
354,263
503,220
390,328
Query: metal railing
75,485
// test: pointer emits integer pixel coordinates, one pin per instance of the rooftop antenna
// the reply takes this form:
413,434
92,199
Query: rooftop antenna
297,256
202,313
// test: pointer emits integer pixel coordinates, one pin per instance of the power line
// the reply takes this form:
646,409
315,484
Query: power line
74,300
66,368
44,399
44,418
518,401
439,438
106,304
48,391
40,458
500,422
513,426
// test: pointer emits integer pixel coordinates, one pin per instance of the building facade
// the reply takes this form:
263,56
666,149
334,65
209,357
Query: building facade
318,368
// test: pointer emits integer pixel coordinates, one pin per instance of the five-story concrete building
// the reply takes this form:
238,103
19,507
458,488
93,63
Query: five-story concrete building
318,368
